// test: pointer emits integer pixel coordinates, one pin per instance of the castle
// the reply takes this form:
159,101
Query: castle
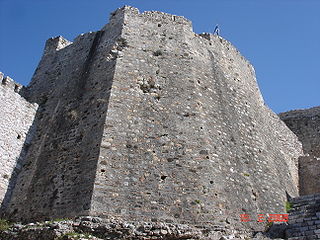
147,120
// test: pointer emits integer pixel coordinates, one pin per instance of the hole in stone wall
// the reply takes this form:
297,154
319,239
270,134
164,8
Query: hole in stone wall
159,25
4,81
163,177
19,136
157,53
16,88
204,152
211,182
102,170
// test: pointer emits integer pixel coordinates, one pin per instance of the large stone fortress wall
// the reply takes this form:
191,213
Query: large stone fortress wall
16,119
147,120
187,135
306,125
72,86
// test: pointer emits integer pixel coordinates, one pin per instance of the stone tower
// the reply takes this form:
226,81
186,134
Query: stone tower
147,120
306,125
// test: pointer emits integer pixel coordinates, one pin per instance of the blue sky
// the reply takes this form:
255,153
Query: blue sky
281,38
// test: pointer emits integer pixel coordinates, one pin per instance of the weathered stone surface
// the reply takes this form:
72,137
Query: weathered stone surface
148,121
306,125
16,119
98,229
304,218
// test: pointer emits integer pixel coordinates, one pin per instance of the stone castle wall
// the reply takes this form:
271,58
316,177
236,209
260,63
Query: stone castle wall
187,135
306,125
17,116
147,120
72,86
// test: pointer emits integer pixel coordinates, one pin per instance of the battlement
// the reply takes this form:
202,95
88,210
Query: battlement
55,44
9,83
155,16
300,113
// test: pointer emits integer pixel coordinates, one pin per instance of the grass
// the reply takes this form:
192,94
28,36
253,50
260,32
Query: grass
4,225
288,206
268,226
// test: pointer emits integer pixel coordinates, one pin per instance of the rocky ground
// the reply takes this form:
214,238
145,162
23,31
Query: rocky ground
97,228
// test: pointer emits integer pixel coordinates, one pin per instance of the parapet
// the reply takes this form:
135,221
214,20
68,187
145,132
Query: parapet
154,16
299,113
8,82
55,44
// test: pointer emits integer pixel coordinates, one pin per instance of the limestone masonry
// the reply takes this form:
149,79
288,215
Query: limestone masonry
145,120
306,125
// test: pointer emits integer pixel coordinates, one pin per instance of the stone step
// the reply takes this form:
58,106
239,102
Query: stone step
304,218
305,198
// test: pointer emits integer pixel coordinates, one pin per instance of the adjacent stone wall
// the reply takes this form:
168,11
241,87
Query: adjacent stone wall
304,218
72,86
306,125
187,136
16,120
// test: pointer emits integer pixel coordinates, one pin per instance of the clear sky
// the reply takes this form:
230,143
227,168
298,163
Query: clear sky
281,38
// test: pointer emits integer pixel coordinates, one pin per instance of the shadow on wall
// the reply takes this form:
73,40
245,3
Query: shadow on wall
54,176
19,164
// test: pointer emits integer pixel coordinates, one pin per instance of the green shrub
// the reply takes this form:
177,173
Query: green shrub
288,206
268,226
4,225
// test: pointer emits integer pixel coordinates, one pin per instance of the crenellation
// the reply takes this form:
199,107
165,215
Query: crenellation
9,83
55,44
165,18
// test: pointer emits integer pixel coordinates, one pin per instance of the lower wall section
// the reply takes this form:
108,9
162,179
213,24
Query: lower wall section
16,119
304,218
306,125
309,171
